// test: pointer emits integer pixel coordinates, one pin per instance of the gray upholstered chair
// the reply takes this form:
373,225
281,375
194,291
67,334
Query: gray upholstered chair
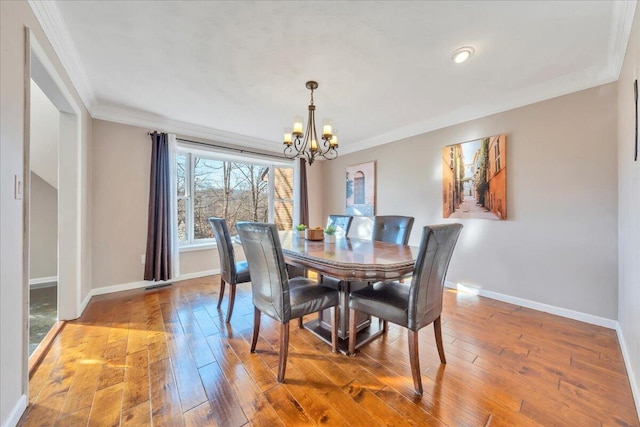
416,305
340,222
392,229
274,293
231,272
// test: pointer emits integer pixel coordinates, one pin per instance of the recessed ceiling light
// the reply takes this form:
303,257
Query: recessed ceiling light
462,54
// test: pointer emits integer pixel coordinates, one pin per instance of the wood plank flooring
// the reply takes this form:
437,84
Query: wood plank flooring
166,358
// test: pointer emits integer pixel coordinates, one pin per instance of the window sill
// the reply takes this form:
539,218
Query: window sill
198,247
207,246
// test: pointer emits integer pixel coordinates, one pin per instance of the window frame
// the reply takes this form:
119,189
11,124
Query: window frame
193,151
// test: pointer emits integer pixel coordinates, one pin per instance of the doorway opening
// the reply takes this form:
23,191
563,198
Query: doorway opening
54,214
43,216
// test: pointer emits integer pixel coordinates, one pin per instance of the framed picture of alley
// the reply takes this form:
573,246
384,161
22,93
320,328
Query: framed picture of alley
474,179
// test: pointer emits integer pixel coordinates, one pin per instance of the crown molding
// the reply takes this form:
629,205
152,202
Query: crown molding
622,13
119,114
48,15
532,95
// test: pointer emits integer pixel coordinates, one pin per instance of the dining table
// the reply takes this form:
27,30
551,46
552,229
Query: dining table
347,264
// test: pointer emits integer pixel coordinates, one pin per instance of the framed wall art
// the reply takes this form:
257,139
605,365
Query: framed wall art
474,179
635,99
361,189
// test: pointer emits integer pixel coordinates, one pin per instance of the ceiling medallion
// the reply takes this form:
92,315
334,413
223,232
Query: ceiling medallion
299,144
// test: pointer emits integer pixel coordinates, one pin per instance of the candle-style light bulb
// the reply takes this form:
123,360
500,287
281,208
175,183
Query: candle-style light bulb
314,145
297,126
287,137
326,129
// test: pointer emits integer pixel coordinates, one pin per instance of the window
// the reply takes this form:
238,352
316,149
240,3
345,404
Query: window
497,156
283,198
237,190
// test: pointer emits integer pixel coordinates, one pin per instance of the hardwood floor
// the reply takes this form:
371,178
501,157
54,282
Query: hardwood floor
166,357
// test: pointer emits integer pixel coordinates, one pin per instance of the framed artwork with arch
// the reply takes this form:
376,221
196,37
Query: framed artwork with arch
361,189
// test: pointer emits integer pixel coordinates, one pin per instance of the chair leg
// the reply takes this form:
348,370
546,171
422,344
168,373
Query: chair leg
352,332
385,326
334,329
232,298
284,350
414,360
300,324
222,283
437,329
256,329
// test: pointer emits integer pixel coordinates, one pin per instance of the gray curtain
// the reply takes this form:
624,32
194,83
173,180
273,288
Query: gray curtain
304,194
158,258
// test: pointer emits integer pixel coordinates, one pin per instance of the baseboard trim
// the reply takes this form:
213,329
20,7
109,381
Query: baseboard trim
43,348
17,411
635,387
547,308
143,284
43,282
84,303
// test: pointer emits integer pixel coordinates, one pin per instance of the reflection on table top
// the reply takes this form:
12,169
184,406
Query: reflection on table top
349,258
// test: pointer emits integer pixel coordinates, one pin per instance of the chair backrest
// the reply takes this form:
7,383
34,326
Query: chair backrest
427,285
269,280
340,222
225,249
392,229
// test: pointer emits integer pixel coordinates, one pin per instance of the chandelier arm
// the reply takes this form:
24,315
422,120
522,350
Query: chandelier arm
288,152
330,154
326,143
300,144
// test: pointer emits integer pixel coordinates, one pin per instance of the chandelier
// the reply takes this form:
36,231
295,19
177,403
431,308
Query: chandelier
299,144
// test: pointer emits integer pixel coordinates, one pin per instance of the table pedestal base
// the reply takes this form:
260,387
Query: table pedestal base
363,337
366,330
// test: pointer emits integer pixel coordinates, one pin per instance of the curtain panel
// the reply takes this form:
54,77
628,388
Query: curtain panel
159,234
304,193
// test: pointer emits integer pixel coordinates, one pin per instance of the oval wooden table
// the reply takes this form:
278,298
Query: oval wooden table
353,263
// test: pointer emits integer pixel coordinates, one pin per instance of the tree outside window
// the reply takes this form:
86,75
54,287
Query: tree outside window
232,190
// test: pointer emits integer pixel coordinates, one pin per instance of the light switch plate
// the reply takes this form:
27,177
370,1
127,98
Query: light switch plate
17,187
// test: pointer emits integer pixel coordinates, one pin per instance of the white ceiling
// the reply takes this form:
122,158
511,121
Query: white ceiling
236,71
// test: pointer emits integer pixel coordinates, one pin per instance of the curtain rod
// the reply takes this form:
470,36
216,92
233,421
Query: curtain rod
240,150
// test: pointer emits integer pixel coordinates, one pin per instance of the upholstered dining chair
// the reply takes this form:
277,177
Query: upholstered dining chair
340,222
231,272
392,229
416,305
275,294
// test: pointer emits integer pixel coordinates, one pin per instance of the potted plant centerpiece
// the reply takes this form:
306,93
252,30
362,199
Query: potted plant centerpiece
300,228
330,234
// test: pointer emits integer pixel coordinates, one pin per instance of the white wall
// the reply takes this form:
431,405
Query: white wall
120,187
44,137
14,16
559,244
12,307
629,212
44,141
43,234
